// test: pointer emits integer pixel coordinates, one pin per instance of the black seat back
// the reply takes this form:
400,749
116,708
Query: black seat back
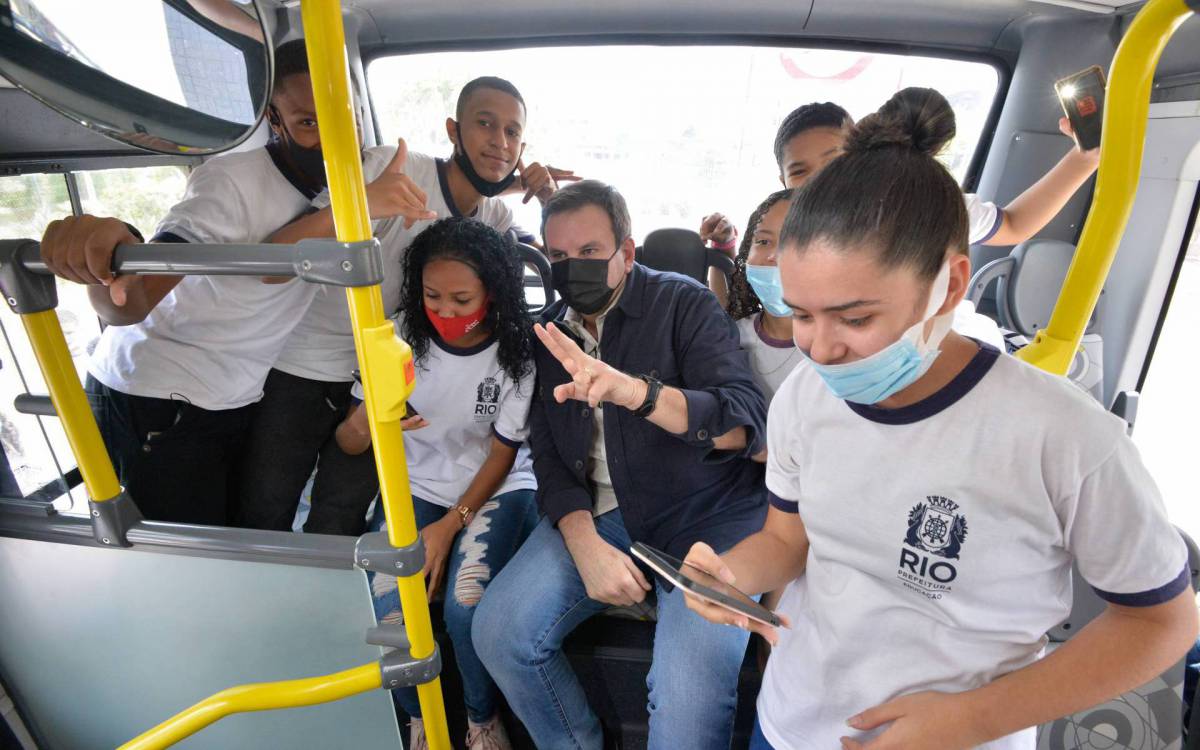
682,251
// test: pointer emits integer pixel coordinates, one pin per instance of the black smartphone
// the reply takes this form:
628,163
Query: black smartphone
701,584
409,411
1082,99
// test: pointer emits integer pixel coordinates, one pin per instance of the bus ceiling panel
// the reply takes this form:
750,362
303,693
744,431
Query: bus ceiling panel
933,23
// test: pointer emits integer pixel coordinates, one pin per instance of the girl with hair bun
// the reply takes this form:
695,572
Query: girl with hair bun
930,495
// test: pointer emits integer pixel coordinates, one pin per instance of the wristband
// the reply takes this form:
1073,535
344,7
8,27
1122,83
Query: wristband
653,388
730,244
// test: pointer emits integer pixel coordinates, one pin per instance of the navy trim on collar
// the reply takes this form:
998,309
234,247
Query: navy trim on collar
463,351
960,386
301,187
444,184
769,340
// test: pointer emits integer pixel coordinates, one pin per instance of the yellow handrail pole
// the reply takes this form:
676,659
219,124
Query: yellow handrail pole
71,404
262,696
1124,129
326,44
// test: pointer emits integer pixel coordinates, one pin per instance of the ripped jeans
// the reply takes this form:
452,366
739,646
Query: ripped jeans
479,552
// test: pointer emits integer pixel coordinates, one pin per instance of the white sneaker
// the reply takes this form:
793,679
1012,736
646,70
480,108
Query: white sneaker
416,735
487,736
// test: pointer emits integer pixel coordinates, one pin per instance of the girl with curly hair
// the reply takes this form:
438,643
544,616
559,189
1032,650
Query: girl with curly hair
756,303
462,310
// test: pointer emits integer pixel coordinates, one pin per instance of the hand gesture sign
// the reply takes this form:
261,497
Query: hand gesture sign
592,380
541,181
716,228
393,193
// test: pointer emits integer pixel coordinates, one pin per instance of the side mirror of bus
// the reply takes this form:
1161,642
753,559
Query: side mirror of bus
171,76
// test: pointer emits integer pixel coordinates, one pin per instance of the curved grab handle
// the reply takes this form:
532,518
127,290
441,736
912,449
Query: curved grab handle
530,255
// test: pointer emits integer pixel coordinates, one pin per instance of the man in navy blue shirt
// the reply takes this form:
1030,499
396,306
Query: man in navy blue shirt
643,423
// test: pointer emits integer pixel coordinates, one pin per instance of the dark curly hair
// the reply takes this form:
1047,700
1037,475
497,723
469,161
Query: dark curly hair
494,259
743,302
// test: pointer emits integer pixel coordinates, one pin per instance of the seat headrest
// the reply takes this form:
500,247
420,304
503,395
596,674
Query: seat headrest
681,251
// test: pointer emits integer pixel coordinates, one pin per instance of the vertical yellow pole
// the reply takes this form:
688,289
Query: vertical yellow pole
325,36
71,404
1124,127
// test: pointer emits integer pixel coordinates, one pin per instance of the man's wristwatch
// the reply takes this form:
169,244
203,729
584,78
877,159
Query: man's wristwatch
465,514
653,388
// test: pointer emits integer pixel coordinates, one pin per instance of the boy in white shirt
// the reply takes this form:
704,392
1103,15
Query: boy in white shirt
307,391
183,359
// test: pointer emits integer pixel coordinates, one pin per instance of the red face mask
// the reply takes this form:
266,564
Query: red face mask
454,328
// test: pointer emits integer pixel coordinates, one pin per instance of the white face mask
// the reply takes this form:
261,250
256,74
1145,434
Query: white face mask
898,365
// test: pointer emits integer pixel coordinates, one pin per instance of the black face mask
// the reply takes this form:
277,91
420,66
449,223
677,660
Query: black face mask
308,163
483,187
583,283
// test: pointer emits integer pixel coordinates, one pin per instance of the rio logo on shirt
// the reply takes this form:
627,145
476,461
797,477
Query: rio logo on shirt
935,529
487,400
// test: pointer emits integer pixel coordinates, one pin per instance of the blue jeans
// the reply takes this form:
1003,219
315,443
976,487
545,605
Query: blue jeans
478,553
540,598
758,740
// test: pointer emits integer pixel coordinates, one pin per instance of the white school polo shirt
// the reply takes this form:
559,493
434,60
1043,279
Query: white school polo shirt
942,537
771,360
213,339
322,345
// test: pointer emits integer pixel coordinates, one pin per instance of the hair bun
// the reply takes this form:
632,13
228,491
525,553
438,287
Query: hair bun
916,118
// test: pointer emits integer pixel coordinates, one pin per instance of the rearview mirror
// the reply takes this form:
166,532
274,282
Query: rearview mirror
172,76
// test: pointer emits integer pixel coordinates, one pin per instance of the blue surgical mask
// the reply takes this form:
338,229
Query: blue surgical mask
897,366
765,282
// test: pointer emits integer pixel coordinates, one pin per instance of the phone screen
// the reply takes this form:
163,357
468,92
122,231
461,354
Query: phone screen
1082,99
703,584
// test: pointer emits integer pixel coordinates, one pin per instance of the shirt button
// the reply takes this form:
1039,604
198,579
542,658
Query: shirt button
586,412
654,374
702,434
579,466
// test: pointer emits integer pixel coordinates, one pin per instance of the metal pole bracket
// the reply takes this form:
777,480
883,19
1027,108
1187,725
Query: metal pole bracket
328,261
399,669
25,292
375,553
112,519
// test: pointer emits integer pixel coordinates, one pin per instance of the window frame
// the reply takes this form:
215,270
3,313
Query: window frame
1001,65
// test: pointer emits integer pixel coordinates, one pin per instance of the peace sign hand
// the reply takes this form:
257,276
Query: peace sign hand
592,380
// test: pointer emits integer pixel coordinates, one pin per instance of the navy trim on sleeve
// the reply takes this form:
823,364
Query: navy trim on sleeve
787,506
1164,593
168,237
995,227
514,444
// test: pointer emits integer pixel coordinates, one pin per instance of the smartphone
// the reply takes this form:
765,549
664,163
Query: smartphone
707,587
409,411
1082,99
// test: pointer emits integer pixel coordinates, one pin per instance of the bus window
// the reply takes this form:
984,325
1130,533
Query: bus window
687,131
1169,411
37,447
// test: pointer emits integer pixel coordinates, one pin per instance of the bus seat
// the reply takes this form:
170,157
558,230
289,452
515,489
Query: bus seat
1027,282
1149,717
98,645
682,251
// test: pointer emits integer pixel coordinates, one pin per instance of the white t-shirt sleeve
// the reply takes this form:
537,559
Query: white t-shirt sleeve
1117,530
984,219
783,473
212,209
512,421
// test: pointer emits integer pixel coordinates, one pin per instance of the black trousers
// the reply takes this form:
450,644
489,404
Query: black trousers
293,431
177,461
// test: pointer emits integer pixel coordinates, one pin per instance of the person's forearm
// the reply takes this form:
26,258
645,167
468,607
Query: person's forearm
1115,653
142,294
671,414
315,225
1033,209
718,282
765,562
353,435
577,528
490,476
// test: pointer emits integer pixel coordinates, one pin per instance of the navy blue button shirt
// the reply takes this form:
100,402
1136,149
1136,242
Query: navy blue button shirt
673,490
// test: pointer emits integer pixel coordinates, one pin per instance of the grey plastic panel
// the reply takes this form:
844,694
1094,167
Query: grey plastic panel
99,645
